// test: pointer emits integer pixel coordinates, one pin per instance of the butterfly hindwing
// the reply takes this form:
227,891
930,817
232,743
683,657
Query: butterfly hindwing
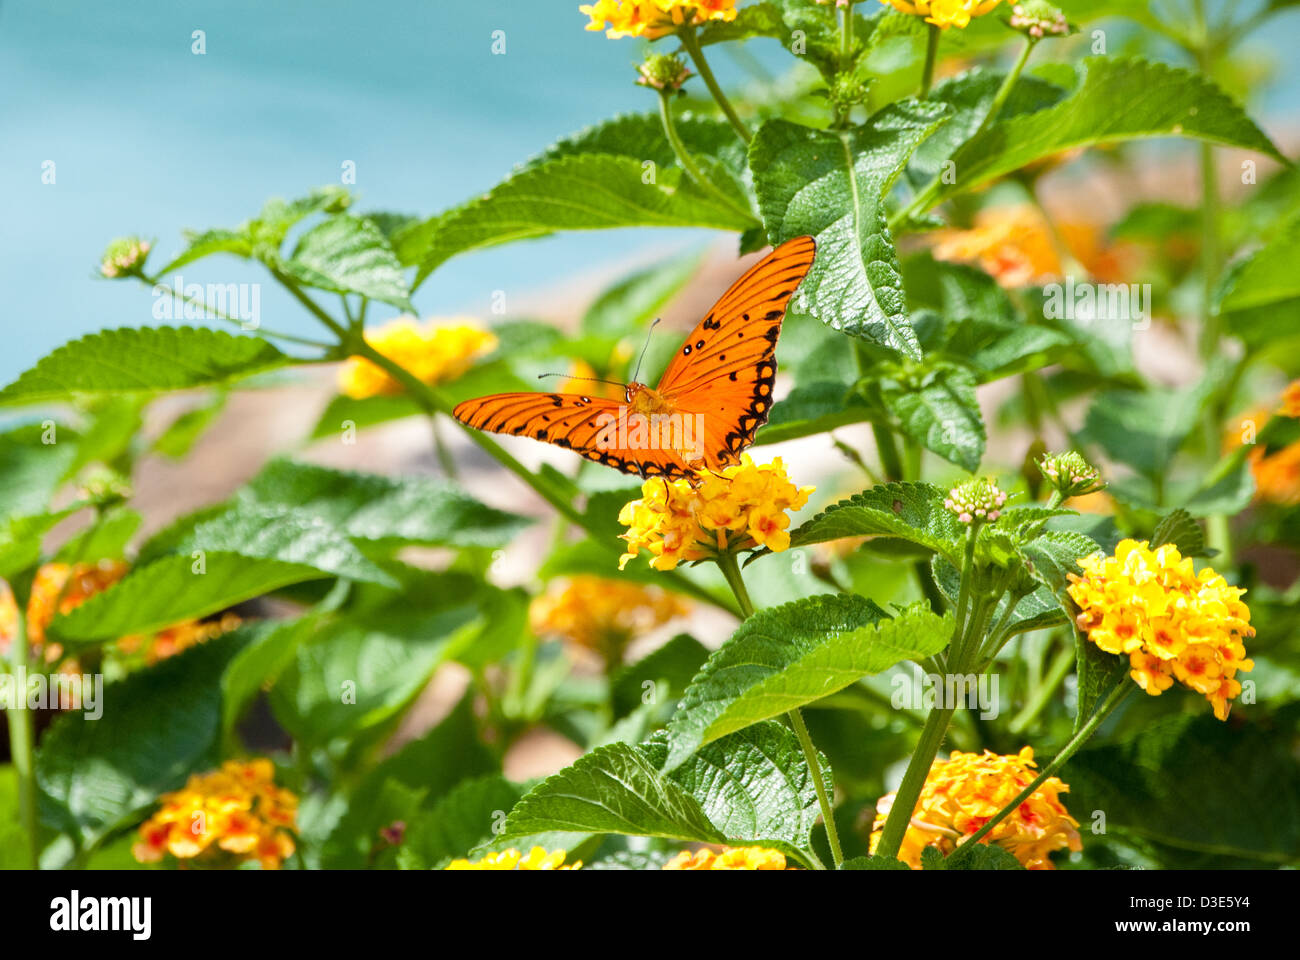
726,369
595,427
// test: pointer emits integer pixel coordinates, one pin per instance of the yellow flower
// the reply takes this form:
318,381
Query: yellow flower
437,352
653,19
536,859
1277,475
1172,622
944,13
963,793
601,615
742,507
729,858
223,818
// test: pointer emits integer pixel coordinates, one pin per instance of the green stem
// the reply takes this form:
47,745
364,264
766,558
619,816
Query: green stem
1115,698
154,282
1045,691
819,783
1008,82
445,460
931,54
687,161
731,570
22,743
692,44
890,462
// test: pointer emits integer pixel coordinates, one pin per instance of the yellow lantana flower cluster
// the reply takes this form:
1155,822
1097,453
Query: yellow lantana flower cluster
536,859
729,858
223,818
603,616
944,13
436,352
742,507
964,792
1172,622
653,19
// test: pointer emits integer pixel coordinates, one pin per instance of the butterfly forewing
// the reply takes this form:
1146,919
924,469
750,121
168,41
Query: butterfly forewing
727,367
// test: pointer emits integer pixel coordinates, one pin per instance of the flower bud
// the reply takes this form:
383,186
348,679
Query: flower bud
663,71
1070,474
1038,19
124,257
976,501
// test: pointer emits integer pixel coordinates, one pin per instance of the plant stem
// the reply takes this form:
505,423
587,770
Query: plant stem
692,44
1116,697
445,460
1045,690
1008,82
731,570
887,450
823,800
687,161
22,742
931,51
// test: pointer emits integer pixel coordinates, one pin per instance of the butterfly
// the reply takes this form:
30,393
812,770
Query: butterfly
709,404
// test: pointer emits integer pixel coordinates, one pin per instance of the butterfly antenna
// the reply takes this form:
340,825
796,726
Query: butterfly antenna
637,371
615,383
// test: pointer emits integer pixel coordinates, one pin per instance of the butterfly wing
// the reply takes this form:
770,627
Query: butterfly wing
595,427
726,369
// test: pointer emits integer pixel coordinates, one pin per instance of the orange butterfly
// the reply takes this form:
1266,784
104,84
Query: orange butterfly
715,394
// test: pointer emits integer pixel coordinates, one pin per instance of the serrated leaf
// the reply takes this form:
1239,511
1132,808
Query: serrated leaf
613,789
978,856
412,509
910,511
942,414
169,590
259,663
874,863
788,656
157,726
347,254
1182,531
148,360
210,242
457,823
1115,99
105,539
355,674
832,185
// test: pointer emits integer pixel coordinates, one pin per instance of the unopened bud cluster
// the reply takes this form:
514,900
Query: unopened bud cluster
663,71
124,256
1070,474
1038,19
976,500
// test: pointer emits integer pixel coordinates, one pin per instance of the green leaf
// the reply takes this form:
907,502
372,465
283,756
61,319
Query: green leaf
1144,430
458,823
613,789
812,408
269,652
183,432
346,254
1264,277
941,414
788,656
344,413
147,360
1209,794
157,726
874,863
423,771
756,785
353,675
1182,531
673,665
598,179
832,185
633,302
1115,99
910,511
106,539
34,462
979,856
172,589
20,540
414,509
272,532
235,242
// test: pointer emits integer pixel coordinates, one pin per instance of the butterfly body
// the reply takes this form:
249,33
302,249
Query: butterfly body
714,395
